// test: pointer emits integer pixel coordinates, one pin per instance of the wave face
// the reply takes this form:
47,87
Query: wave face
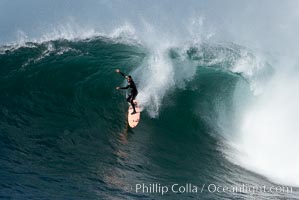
63,129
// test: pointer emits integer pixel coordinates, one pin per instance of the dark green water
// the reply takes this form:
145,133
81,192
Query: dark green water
64,135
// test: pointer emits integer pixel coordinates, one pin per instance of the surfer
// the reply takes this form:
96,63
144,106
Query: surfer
133,93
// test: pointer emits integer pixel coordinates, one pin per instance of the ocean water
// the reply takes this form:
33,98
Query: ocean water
219,117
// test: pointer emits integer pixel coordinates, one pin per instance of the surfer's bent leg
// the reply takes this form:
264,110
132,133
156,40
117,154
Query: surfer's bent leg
129,98
132,96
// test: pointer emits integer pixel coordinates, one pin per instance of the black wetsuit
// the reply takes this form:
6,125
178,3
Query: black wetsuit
133,92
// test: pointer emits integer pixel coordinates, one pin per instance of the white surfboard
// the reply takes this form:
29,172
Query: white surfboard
134,119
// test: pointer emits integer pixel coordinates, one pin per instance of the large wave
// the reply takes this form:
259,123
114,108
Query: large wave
237,89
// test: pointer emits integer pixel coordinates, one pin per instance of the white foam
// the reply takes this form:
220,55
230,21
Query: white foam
156,78
158,75
124,33
266,137
267,141
254,68
50,48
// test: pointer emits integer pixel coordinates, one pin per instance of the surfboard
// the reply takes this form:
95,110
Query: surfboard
134,119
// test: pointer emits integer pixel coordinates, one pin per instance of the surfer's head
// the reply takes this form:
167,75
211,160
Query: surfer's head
129,78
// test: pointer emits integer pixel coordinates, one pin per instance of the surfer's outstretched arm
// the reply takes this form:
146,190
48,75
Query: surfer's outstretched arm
125,87
118,71
122,74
